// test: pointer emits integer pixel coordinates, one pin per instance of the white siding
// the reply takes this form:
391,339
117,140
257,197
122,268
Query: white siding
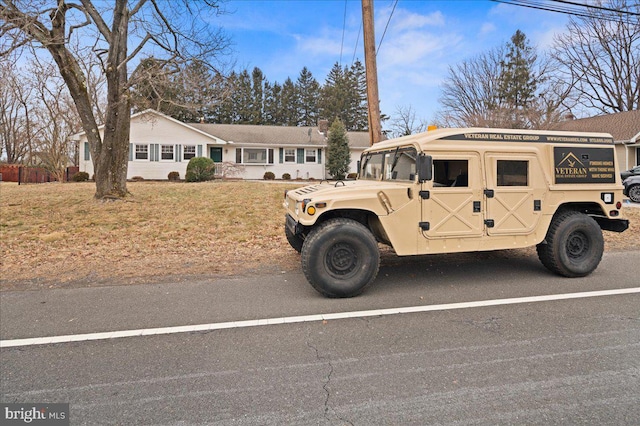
157,130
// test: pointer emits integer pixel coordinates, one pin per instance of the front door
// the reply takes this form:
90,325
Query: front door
215,154
452,201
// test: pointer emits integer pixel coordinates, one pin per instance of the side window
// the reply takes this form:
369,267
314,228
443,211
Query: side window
189,152
513,173
166,152
451,173
142,152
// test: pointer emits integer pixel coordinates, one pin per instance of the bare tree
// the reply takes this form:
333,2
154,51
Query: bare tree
601,59
471,89
490,91
173,27
16,129
404,122
55,119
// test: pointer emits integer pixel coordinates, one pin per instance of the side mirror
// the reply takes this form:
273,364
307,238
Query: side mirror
425,168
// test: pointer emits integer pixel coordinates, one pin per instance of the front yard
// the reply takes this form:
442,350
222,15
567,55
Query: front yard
57,235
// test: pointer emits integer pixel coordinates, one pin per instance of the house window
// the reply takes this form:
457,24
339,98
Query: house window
189,152
142,152
513,173
166,152
290,155
310,156
254,156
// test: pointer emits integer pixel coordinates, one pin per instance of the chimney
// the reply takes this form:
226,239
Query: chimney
323,126
569,116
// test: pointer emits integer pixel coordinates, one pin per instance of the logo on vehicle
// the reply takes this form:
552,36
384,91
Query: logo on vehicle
571,165
584,165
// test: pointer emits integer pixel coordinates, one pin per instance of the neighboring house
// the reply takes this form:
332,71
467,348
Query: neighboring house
623,126
160,144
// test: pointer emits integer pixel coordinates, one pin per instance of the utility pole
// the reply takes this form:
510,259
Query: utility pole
373,102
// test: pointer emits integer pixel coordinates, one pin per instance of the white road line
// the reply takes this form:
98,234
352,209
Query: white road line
307,318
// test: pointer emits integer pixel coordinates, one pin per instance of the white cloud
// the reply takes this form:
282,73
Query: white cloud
487,28
404,20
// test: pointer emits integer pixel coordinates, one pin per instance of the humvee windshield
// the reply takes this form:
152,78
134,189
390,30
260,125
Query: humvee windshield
396,164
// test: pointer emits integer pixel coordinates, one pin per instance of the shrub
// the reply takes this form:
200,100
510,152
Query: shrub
352,176
173,176
137,179
286,176
80,177
269,176
200,169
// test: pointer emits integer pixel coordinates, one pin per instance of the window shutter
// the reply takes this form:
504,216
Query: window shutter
87,153
239,155
319,156
199,151
300,155
281,155
271,160
130,152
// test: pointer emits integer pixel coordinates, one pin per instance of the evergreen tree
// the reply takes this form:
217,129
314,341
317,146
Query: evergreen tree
242,98
290,103
338,155
344,96
357,88
225,109
517,82
256,107
273,104
333,102
308,90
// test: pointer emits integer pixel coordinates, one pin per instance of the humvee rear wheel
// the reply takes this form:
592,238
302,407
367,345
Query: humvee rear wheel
573,246
295,241
340,258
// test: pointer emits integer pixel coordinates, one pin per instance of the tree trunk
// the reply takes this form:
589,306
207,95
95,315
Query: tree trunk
111,166
110,154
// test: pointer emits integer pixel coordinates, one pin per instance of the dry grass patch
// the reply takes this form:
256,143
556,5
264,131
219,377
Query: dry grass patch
58,235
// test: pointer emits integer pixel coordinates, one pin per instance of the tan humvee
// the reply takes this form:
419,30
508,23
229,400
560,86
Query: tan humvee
455,190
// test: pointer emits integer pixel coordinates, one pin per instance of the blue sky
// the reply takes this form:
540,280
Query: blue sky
423,39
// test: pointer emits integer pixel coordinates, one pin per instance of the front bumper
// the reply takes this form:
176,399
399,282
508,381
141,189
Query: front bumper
292,225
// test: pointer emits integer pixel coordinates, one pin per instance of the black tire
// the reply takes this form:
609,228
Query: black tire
340,258
634,193
295,241
573,246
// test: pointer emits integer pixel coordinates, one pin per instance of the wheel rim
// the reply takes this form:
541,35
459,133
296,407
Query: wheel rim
634,193
577,245
341,259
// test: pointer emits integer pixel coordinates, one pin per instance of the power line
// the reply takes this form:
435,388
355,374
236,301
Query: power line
344,25
592,6
613,15
355,49
386,26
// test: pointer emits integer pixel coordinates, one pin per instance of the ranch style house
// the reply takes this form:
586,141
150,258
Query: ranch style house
160,144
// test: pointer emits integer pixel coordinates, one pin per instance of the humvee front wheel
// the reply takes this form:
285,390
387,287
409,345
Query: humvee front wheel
340,258
573,246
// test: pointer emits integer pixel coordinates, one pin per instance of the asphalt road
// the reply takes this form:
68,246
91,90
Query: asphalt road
551,362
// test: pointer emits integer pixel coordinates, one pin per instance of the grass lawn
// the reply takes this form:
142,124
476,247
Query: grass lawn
56,235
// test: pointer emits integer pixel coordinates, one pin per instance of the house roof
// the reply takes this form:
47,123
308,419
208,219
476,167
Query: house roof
259,135
623,126
275,135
